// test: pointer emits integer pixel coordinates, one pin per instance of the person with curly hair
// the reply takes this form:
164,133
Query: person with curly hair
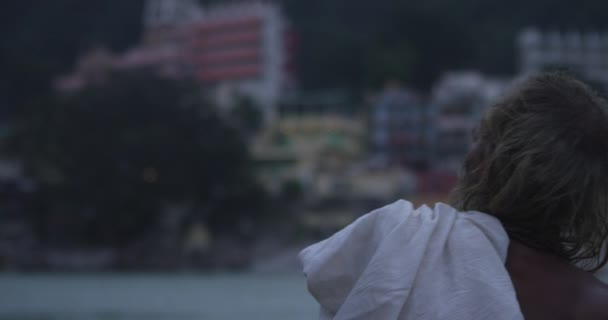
525,228
540,165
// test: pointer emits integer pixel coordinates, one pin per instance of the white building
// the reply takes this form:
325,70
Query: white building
459,100
399,124
583,53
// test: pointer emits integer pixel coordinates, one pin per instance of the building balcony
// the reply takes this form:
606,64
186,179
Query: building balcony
235,56
229,73
239,38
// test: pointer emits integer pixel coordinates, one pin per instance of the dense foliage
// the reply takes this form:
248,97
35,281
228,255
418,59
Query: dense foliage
109,158
345,42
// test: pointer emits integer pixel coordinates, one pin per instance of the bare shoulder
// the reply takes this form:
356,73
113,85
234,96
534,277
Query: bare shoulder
594,300
549,288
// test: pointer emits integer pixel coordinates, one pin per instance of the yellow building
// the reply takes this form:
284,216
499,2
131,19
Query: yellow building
308,149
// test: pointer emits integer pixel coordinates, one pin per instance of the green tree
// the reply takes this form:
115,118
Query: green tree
109,157
246,115
42,39
393,63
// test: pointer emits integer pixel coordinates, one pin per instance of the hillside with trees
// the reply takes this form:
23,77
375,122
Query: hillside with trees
353,44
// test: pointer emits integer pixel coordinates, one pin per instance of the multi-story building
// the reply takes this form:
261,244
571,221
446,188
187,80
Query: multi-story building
459,100
399,129
584,53
325,155
236,49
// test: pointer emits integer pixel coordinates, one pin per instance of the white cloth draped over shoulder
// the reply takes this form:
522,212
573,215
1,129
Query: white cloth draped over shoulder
398,262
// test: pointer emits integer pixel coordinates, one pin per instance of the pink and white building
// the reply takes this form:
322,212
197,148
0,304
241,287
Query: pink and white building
241,48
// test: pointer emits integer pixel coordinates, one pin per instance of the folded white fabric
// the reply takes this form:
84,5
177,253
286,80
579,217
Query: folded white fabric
398,262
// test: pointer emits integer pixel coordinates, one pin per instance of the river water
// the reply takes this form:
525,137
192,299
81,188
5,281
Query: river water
154,297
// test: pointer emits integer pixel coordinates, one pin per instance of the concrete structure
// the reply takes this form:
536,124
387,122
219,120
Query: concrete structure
584,53
399,129
459,100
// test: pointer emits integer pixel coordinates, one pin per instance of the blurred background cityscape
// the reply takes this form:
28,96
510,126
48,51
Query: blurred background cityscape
194,147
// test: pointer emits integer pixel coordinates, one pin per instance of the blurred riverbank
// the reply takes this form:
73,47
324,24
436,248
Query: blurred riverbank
272,248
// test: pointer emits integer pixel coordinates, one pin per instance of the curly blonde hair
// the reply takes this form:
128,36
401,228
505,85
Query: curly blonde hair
539,164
